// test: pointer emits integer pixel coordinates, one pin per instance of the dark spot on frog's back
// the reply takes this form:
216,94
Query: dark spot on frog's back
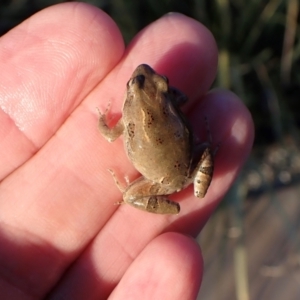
177,134
177,164
131,129
129,100
165,110
150,118
159,141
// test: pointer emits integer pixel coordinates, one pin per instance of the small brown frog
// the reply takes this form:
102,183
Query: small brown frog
159,141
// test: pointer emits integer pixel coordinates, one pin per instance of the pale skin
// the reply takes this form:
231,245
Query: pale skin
61,233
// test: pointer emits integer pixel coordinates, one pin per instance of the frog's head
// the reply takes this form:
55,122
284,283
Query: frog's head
145,79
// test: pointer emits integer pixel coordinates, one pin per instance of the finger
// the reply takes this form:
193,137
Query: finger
231,127
151,274
50,65
170,267
189,58
130,230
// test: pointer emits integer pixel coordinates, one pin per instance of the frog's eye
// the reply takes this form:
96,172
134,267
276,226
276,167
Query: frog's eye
139,80
165,78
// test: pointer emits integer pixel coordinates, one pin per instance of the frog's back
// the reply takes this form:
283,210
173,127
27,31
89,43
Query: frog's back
157,137
158,142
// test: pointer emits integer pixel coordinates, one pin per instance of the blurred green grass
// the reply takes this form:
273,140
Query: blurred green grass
259,53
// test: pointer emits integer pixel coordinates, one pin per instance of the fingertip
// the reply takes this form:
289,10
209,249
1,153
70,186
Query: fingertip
231,128
170,267
228,117
179,47
52,61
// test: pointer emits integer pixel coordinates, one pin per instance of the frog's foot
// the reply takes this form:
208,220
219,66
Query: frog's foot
102,116
120,186
106,110
110,134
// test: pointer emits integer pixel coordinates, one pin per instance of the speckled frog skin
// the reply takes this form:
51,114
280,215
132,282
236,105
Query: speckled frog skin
159,142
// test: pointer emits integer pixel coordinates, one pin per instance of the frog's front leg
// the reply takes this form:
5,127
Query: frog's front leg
147,195
177,96
110,134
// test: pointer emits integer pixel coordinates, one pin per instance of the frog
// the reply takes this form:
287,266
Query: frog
160,143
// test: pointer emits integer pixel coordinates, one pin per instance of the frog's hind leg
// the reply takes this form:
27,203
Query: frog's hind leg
155,204
142,194
204,169
149,196
203,173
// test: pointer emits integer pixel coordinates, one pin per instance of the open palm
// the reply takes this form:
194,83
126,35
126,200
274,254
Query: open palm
61,235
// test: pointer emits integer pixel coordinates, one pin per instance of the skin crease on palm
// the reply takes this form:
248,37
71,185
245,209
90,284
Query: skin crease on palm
61,235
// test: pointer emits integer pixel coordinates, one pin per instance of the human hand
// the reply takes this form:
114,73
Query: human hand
61,235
